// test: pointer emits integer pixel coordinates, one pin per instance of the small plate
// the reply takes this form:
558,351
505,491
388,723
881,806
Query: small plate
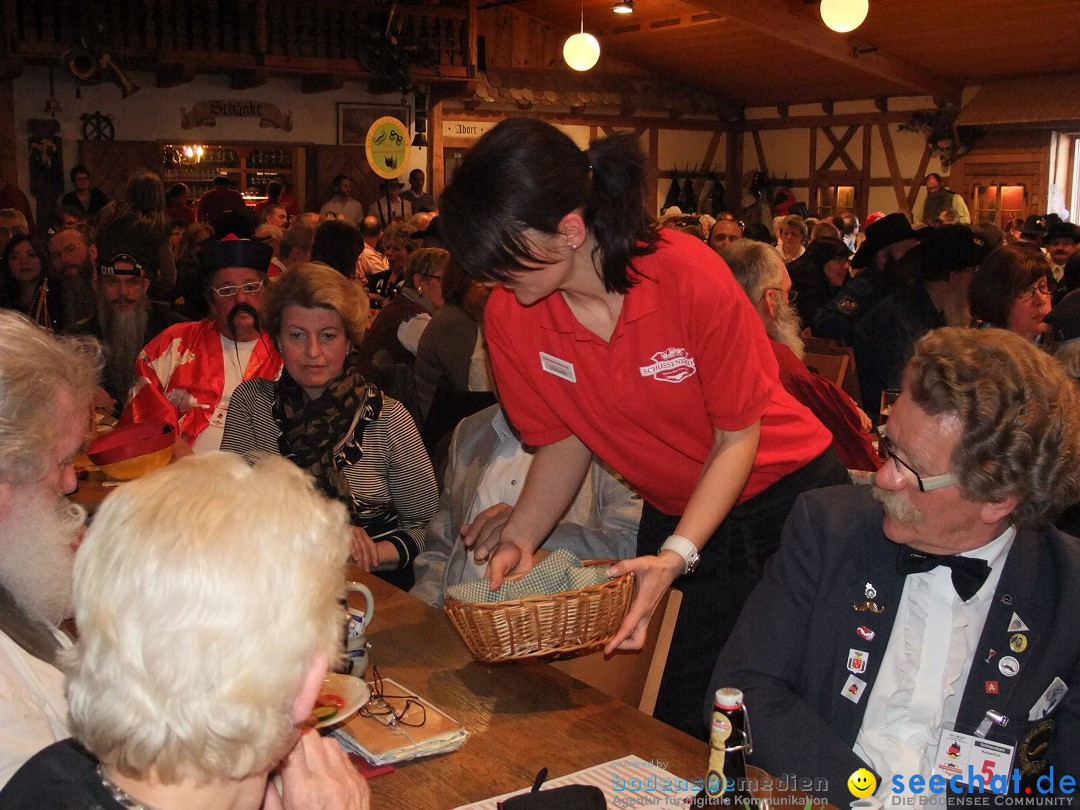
352,690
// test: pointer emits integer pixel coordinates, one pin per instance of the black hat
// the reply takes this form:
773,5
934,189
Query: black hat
1034,227
883,232
234,252
944,251
391,183
1062,230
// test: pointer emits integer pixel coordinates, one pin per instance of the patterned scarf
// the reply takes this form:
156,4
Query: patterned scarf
325,435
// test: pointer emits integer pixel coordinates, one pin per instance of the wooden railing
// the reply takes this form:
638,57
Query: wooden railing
351,37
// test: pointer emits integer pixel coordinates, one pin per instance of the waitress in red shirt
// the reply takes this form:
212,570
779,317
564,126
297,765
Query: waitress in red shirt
609,337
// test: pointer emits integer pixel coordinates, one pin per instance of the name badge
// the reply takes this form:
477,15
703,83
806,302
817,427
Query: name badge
960,754
560,368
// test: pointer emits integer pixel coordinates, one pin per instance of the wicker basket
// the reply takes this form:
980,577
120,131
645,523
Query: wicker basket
562,624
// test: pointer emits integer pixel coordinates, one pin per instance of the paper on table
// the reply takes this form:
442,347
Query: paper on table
381,744
657,787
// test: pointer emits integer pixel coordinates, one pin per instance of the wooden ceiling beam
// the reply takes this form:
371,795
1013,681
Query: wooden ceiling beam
775,18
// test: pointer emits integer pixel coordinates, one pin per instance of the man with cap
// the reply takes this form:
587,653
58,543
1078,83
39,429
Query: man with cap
125,321
887,239
186,374
943,265
938,198
400,208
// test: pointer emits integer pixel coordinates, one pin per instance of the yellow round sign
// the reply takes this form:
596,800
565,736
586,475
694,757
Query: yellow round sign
387,147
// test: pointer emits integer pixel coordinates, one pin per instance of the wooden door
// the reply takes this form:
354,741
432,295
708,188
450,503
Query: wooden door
112,163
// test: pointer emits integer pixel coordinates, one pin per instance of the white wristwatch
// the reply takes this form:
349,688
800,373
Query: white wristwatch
685,549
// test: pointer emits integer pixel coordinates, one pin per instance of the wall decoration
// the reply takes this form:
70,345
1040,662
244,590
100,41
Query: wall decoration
97,126
206,113
354,120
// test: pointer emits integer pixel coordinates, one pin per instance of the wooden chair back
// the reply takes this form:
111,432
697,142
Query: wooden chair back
833,367
632,677
816,345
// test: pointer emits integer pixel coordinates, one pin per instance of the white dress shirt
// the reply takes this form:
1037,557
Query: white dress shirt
925,667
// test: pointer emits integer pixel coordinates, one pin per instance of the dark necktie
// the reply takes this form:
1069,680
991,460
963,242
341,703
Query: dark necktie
968,574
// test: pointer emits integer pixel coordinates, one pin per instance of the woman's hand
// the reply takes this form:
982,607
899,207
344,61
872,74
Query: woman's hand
317,775
362,550
654,577
484,536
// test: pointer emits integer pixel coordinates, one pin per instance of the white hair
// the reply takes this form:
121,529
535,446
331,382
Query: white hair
755,266
36,370
203,592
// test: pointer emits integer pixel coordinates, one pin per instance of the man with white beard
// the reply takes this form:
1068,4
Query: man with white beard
126,320
46,387
761,273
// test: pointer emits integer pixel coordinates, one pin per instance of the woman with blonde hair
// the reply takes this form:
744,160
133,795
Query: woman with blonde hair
362,447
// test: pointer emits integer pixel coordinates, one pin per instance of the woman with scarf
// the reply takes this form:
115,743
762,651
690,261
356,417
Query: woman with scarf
362,447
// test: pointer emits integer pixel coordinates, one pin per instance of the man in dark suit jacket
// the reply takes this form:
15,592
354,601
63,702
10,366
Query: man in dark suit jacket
848,663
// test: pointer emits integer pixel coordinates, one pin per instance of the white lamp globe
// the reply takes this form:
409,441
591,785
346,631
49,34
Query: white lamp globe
581,51
844,15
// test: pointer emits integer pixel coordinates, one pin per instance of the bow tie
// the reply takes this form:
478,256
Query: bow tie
968,574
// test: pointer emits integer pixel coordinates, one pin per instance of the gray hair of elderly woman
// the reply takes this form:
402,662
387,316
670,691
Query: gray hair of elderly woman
44,381
206,595
315,285
756,266
1019,415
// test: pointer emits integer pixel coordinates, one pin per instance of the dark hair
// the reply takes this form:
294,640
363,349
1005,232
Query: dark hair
455,283
76,170
339,178
273,190
759,233
935,175
1001,278
823,250
175,192
524,173
9,287
339,245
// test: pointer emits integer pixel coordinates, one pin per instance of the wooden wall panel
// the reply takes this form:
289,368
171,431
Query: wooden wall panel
112,163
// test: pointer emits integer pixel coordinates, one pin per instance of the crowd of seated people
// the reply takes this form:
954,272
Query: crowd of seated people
355,350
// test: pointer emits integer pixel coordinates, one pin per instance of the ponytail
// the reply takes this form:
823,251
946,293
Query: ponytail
526,174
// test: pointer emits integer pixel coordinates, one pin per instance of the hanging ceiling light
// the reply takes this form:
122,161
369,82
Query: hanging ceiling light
581,51
624,7
844,15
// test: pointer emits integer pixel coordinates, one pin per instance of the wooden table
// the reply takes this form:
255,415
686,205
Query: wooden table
92,489
521,717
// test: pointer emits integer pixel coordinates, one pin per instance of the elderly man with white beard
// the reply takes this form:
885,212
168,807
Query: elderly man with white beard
46,388
761,273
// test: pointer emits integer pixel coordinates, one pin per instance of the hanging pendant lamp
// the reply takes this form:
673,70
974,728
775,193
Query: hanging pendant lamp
581,51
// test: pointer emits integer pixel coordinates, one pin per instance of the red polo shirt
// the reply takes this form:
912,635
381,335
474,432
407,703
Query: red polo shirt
688,353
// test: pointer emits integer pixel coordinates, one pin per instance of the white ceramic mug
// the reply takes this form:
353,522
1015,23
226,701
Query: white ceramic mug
359,621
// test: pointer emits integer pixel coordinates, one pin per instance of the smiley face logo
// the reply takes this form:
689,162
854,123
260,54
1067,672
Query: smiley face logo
862,783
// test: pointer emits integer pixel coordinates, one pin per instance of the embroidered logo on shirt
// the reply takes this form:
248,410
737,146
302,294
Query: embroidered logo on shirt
671,365
560,368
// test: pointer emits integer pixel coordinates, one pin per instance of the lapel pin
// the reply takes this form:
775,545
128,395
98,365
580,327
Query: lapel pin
865,633
1017,624
869,607
1009,666
870,591
1006,600
1018,643
857,661
991,687
853,688
988,657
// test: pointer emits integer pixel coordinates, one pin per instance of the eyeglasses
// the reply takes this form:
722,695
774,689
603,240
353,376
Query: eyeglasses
1040,287
791,294
412,712
887,450
229,290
